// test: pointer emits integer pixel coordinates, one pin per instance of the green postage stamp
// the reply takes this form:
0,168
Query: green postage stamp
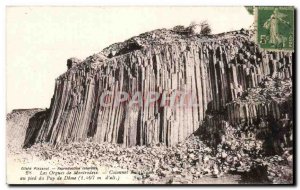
275,28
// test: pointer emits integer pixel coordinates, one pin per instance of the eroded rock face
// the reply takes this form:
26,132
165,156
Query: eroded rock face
17,126
217,70
72,62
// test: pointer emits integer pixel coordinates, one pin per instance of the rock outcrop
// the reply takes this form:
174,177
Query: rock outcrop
17,126
218,69
72,62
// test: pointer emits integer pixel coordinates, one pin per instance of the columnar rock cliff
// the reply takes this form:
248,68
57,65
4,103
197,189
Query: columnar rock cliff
218,69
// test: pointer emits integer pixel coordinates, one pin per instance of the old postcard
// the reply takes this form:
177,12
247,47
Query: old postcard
150,95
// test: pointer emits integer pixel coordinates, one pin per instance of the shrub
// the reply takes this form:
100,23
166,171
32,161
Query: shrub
205,28
202,28
178,28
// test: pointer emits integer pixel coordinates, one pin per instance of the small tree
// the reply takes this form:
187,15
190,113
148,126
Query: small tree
205,28
202,28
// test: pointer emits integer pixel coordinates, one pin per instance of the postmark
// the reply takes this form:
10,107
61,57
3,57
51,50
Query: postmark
275,28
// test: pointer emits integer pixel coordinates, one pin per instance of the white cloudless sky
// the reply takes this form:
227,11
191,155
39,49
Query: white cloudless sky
39,40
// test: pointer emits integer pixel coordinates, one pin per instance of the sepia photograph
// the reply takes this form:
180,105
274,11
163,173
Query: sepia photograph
137,95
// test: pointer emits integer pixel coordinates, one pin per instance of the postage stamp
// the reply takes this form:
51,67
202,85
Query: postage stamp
275,28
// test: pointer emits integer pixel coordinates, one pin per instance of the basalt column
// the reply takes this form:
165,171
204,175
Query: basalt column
215,71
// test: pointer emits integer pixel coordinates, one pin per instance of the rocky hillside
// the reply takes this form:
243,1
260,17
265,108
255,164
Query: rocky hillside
221,70
16,126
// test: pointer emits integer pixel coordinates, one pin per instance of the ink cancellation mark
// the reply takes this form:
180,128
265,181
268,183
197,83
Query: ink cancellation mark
275,28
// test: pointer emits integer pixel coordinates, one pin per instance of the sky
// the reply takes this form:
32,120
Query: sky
39,40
